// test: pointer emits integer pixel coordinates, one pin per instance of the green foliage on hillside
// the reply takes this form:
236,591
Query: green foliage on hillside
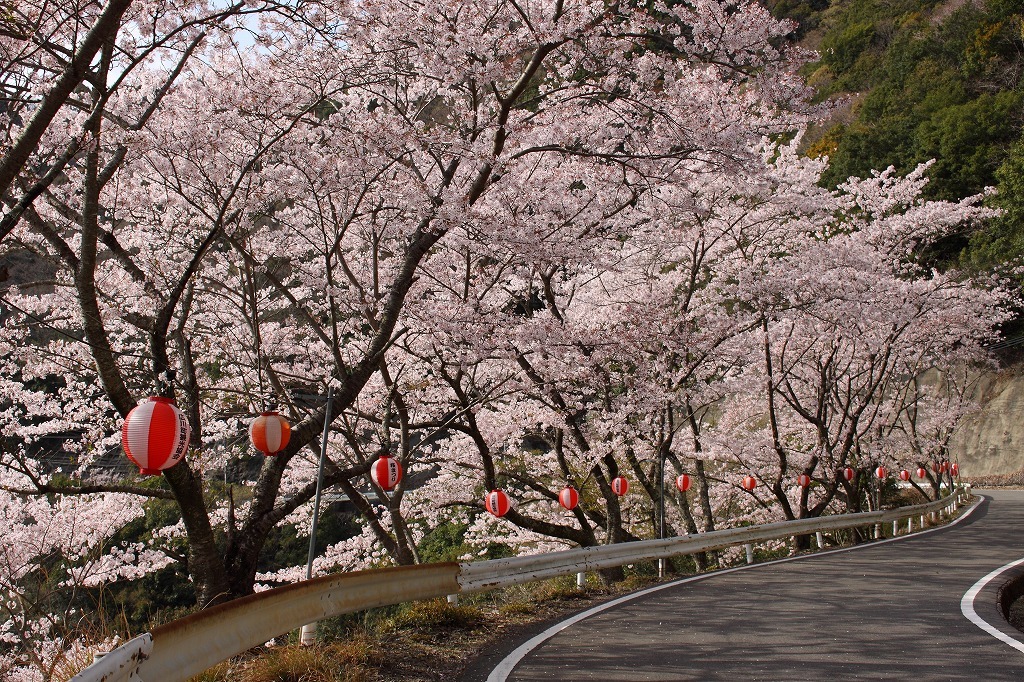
927,79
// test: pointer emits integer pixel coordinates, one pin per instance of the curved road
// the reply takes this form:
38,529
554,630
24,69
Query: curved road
884,611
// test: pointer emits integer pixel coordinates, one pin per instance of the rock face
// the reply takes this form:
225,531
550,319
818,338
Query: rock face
991,442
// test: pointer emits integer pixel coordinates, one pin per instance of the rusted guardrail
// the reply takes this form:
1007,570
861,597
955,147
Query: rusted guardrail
176,651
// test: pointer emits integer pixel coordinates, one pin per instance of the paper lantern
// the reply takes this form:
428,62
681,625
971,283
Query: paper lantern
803,480
849,473
568,497
269,433
498,503
936,467
749,483
904,475
620,486
155,435
386,472
944,467
954,469
683,483
922,472
881,472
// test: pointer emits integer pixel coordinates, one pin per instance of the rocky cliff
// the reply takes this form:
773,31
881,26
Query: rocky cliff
991,442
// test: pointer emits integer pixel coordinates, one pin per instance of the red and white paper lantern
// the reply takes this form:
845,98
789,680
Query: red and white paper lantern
749,483
904,475
683,482
498,503
803,480
954,469
386,472
849,473
881,472
620,486
155,435
922,472
569,497
944,467
269,433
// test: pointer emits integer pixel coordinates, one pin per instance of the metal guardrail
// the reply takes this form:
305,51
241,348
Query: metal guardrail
176,651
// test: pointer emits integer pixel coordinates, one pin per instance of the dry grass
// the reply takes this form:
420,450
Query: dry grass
433,616
353,661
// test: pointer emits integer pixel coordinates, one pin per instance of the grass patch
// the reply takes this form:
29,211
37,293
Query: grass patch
436,614
563,588
352,661
517,608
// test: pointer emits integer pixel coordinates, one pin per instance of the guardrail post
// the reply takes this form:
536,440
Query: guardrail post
581,580
661,568
307,635
878,530
895,531
910,524
453,599
750,553
922,521
820,539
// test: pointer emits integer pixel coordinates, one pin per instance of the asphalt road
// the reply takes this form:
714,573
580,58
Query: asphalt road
882,612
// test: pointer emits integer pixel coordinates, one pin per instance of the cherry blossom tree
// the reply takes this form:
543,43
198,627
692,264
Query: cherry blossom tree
522,246
69,68
836,354
257,220
926,414
62,547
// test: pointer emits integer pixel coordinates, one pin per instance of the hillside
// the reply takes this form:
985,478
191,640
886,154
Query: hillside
920,80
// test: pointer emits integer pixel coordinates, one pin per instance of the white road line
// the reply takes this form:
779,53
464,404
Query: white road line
507,664
967,606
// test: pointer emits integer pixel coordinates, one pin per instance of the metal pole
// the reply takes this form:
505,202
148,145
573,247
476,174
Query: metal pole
878,506
308,634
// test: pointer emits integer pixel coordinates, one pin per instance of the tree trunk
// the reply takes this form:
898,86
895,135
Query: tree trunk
205,558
